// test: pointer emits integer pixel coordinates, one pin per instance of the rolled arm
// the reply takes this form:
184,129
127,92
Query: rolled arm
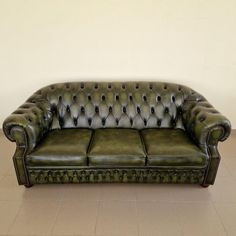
27,125
204,123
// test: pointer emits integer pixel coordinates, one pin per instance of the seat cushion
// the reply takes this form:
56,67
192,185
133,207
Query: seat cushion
116,147
66,147
171,147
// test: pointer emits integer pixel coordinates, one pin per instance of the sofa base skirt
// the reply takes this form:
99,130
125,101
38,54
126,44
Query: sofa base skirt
116,175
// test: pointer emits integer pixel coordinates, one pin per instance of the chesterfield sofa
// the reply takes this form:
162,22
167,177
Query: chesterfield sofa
88,132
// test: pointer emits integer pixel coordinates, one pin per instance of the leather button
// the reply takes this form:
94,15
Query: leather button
96,109
103,121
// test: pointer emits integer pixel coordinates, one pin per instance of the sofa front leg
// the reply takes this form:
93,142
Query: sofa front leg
205,185
28,185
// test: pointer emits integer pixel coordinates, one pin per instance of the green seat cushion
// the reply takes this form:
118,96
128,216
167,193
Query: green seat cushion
116,147
66,147
171,147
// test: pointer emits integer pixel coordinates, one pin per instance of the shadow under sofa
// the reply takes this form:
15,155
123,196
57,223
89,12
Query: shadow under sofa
116,132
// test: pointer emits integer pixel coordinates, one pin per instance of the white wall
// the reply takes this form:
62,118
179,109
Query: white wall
192,42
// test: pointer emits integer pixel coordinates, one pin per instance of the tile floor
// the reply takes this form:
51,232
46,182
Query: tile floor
119,209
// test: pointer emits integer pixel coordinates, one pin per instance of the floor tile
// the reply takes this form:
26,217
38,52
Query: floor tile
10,190
230,164
223,171
8,211
76,218
154,192
156,218
227,213
35,218
199,219
117,218
189,193
54,192
119,192
224,190
84,192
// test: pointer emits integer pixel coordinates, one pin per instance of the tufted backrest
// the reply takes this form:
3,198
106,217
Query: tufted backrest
108,105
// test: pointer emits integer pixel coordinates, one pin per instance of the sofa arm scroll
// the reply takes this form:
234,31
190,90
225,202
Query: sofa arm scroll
27,125
204,123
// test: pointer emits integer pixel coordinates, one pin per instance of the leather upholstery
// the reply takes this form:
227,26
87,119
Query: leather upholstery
204,123
116,147
171,147
28,124
99,106
66,147
116,105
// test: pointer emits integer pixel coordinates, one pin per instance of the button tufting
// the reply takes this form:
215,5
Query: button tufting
75,121
103,121
202,118
96,109
131,121
128,98
89,121
145,122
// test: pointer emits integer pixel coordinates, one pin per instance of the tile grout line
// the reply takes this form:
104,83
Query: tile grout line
179,222
98,207
57,213
217,213
137,215
14,220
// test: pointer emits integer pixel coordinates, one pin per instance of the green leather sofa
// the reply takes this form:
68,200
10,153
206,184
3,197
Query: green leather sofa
84,132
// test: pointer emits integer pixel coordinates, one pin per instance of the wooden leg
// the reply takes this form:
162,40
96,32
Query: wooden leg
205,185
28,185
